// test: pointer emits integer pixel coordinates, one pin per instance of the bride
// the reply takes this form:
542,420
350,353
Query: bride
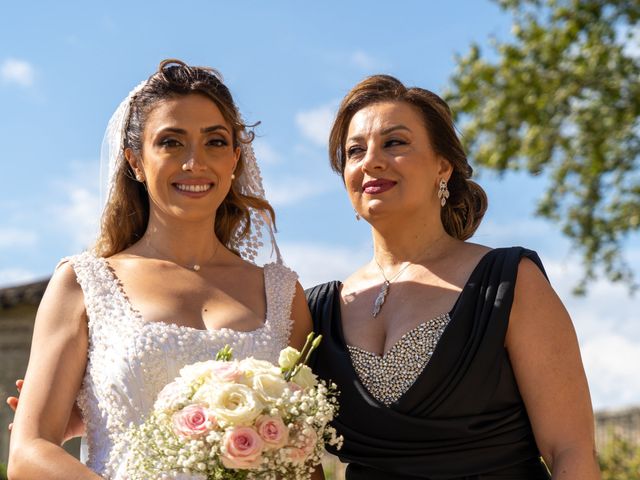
169,282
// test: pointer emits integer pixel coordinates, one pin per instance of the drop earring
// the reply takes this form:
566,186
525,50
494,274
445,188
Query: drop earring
443,192
358,217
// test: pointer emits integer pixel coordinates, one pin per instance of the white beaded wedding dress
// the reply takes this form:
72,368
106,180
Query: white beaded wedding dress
130,360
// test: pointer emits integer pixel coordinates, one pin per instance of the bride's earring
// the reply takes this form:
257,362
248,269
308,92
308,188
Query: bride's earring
358,217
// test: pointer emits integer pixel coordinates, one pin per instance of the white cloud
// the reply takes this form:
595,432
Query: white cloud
80,216
17,71
79,213
289,190
513,232
364,61
318,263
17,238
612,365
315,124
10,277
265,153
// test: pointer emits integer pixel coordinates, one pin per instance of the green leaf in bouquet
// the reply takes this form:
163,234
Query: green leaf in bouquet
225,354
309,346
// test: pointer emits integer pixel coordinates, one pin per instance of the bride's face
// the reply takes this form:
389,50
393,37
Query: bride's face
187,158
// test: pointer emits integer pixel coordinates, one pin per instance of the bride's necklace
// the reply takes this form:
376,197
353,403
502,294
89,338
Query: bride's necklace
382,296
196,266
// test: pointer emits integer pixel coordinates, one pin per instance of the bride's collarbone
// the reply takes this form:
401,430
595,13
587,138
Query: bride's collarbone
196,301
209,312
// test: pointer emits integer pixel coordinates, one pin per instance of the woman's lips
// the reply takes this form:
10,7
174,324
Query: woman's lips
374,187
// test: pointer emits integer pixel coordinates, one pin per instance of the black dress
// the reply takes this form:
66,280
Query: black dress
464,417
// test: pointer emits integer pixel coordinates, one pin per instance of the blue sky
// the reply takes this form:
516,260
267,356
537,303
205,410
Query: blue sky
65,66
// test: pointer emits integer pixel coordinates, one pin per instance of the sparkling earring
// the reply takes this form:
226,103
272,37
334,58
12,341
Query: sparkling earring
358,217
139,177
443,192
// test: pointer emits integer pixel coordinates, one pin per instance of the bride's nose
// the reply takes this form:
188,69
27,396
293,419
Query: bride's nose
194,161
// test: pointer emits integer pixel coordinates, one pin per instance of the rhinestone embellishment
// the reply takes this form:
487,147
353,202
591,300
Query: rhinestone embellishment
389,376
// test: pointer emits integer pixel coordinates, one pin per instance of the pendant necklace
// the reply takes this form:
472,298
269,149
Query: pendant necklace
196,266
382,296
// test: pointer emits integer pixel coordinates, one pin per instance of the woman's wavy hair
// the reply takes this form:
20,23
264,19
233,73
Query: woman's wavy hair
467,203
126,214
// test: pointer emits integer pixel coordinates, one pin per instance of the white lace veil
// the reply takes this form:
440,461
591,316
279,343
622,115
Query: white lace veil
249,182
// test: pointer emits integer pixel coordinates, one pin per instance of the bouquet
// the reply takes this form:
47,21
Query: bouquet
237,419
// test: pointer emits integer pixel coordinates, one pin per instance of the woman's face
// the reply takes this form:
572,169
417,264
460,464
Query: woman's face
187,157
391,167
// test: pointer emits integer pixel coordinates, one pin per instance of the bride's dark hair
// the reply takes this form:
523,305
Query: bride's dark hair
126,213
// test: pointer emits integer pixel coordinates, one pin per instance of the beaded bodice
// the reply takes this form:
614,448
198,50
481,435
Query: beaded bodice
389,376
130,360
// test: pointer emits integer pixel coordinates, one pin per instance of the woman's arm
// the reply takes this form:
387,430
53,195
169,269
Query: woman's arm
302,326
543,349
56,366
75,427
301,317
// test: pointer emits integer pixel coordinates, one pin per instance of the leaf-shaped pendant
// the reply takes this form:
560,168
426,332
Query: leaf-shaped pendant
382,296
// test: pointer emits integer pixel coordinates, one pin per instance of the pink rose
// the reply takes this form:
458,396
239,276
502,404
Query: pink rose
226,371
294,387
242,448
309,440
295,455
273,431
192,421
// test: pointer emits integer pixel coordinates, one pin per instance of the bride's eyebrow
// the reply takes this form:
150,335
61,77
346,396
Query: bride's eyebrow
214,128
181,131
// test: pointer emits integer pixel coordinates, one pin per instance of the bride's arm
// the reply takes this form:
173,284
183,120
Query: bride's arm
56,366
301,317
302,326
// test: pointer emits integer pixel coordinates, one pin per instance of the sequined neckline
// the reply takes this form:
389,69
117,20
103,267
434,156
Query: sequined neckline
137,316
388,377
399,343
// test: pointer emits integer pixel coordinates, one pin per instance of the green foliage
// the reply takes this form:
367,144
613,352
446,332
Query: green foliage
620,460
563,98
3,471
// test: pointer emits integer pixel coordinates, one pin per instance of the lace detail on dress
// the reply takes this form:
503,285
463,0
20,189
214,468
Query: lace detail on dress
389,376
130,360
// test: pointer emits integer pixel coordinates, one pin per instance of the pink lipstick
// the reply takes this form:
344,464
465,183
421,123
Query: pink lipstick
380,185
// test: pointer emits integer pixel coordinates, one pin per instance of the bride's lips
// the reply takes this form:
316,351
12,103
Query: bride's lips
380,185
193,187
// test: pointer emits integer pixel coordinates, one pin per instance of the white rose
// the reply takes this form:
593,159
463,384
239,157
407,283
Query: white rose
305,377
288,357
233,404
252,366
197,372
206,394
268,386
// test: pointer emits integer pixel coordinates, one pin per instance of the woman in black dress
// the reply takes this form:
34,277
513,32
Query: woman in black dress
448,367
